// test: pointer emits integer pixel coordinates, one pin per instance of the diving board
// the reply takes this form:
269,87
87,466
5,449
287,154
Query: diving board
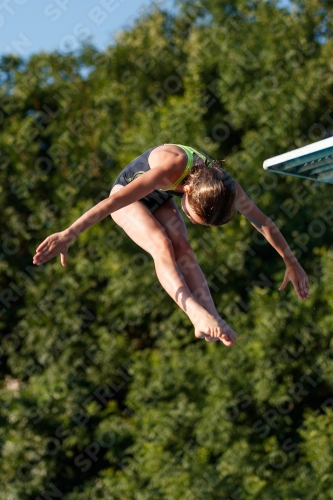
314,161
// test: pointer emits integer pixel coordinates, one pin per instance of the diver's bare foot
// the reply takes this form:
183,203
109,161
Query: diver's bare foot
212,329
228,336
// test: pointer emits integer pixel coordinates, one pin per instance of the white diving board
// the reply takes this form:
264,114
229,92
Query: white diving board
309,162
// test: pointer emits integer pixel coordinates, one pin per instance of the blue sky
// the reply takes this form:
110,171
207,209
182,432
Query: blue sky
30,26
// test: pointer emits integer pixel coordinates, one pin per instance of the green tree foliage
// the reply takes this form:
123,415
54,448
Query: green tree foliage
105,391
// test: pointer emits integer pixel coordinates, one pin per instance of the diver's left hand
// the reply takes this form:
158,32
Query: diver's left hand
296,274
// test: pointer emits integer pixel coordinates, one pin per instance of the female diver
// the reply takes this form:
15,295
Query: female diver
141,203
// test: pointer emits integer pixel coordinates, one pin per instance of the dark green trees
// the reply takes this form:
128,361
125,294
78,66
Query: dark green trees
106,393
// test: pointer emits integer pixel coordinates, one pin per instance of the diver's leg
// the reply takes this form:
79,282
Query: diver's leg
172,222
144,229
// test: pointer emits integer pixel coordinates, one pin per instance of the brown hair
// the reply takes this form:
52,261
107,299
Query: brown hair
213,192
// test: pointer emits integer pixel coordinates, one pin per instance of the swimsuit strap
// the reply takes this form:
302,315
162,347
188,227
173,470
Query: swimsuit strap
189,151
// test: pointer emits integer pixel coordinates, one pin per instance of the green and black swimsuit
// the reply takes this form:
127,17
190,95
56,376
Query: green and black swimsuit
140,165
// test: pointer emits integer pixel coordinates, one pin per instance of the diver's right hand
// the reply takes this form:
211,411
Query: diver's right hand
53,245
